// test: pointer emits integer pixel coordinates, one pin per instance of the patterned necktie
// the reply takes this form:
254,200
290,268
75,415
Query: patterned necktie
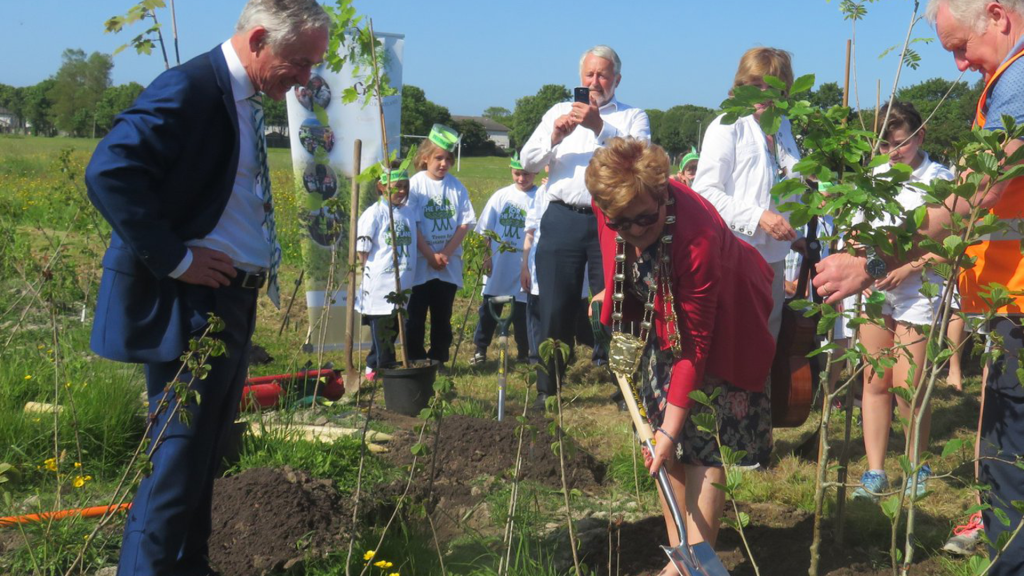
269,228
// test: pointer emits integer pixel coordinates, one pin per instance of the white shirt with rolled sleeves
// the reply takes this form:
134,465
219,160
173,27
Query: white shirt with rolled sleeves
568,161
505,215
443,207
736,173
239,232
373,236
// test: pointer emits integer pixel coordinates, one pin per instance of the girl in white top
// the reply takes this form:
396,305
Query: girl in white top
445,217
505,215
905,309
739,165
375,249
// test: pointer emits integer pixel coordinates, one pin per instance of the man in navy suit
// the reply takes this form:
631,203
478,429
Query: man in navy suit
182,180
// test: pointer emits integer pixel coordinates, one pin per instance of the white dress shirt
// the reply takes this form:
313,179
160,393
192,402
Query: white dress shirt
736,173
568,161
239,232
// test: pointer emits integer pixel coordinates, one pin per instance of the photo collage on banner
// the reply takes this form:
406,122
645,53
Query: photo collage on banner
323,130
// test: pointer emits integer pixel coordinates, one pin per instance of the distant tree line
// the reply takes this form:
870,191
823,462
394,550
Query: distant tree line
681,127
79,100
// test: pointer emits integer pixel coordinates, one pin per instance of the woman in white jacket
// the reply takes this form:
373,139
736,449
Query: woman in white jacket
739,164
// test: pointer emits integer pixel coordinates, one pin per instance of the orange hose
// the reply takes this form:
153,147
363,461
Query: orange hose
61,514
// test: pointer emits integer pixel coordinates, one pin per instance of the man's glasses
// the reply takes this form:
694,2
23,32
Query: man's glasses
642,221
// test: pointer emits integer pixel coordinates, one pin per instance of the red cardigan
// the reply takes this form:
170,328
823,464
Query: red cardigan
722,290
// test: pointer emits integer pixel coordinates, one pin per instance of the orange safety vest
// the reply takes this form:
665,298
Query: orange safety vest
999,257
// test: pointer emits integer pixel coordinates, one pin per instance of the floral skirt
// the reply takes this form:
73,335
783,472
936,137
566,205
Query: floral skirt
744,417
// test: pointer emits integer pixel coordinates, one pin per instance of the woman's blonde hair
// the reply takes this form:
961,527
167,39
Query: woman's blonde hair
426,150
624,169
759,62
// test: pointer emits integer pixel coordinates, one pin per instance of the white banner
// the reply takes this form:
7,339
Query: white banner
323,130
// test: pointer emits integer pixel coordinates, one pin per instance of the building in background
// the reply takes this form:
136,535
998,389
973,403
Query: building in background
497,133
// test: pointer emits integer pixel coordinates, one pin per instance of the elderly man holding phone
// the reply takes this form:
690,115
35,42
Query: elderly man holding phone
565,140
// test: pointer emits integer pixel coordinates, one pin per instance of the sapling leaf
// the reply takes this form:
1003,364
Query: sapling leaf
890,507
1001,515
951,447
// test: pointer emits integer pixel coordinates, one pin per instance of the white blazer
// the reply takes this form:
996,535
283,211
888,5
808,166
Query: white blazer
736,173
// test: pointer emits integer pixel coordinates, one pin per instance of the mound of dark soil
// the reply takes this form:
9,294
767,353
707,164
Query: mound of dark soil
266,520
468,448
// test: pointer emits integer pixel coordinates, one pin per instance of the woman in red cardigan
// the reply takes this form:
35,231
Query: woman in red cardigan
673,265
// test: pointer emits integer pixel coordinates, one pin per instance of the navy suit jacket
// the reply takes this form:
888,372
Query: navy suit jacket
160,178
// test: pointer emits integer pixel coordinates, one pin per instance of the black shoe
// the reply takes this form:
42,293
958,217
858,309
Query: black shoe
540,403
478,358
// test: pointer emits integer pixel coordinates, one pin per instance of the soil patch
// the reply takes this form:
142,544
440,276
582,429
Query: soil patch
267,520
469,448
473,457
779,536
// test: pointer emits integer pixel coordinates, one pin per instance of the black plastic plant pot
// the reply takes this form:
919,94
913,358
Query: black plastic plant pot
408,390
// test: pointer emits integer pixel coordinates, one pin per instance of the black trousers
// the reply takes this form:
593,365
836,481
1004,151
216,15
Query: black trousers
437,297
1001,441
382,348
487,324
568,245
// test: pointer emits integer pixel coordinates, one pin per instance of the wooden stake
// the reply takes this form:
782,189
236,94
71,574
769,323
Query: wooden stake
351,375
846,80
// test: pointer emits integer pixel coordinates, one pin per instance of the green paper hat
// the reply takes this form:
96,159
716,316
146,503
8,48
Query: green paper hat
515,164
394,176
444,137
693,155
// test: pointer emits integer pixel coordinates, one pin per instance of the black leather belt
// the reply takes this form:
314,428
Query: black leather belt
574,208
249,280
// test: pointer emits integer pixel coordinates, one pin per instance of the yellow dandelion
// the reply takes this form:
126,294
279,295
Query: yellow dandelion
80,481
50,464
28,376
369,555
382,564
78,464
394,574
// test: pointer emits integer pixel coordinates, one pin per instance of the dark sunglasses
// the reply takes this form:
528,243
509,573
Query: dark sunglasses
642,221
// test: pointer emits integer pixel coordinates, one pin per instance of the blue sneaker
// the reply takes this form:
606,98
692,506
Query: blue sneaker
873,483
922,480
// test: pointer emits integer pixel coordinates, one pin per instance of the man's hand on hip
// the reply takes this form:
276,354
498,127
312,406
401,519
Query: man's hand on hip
209,268
841,275
588,116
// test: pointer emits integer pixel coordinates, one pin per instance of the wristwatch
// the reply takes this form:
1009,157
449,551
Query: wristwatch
875,266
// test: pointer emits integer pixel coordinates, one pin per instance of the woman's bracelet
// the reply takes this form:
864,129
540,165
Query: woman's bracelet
670,437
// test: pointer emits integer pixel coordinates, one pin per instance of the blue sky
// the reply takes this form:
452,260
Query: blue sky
471,54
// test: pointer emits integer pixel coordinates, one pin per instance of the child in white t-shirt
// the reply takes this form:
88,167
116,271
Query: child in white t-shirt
445,217
374,246
505,215
904,311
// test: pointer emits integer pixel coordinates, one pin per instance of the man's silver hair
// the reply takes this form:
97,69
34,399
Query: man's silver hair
970,12
284,20
606,52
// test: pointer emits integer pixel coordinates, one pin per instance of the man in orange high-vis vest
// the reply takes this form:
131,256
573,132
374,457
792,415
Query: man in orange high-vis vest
986,36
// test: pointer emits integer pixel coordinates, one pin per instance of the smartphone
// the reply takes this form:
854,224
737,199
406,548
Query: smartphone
581,94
